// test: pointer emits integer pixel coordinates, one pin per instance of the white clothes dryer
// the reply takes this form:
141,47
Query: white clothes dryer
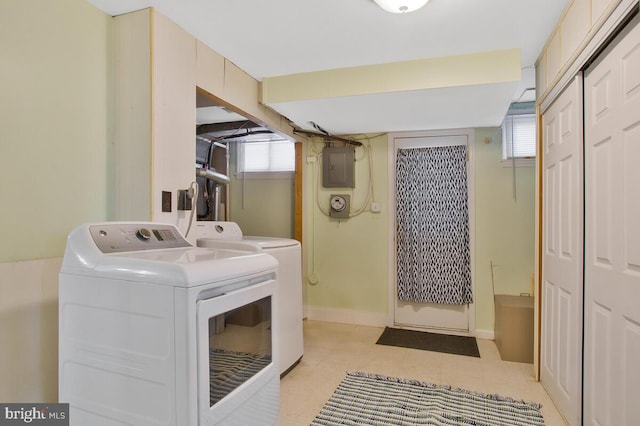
287,251
154,331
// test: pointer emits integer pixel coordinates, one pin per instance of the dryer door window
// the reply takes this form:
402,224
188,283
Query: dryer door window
235,340
239,346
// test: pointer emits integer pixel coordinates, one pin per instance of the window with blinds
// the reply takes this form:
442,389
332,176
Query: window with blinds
266,157
519,137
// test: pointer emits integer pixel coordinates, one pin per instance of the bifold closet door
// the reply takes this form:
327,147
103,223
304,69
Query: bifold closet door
612,234
562,243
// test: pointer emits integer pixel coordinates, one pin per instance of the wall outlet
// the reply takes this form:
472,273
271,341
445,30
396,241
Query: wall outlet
184,202
376,207
166,201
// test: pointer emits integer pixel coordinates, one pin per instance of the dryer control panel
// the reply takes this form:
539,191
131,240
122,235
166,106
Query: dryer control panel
119,237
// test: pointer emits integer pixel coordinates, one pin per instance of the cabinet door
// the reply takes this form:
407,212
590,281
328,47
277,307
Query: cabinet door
155,100
612,231
173,115
562,242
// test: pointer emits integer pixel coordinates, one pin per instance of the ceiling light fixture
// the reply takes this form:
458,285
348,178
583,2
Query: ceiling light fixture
401,6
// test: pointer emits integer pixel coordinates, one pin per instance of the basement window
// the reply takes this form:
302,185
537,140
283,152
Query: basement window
519,140
275,158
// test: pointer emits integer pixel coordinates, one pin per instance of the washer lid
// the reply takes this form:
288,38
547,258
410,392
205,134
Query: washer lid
267,243
228,244
218,230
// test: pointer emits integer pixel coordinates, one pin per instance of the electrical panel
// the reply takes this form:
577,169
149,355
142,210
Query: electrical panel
338,167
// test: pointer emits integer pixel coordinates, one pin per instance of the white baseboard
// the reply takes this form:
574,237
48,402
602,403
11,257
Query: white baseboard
485,334
346,316
374,319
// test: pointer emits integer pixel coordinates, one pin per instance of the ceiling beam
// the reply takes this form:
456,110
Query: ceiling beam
453,71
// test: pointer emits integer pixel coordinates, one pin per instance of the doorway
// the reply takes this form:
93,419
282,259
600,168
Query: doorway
431,227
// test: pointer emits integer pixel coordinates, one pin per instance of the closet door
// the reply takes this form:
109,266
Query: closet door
612,231
562,260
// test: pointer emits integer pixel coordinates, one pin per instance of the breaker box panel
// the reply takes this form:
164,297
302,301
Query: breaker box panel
338,167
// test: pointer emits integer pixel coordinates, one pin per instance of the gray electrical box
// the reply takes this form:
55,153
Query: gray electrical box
339,205
338,170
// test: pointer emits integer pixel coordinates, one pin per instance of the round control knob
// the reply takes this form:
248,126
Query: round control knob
143,234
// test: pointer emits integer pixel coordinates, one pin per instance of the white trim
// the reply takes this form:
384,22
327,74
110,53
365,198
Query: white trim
346,316
391,253
537,255
391,202
485,334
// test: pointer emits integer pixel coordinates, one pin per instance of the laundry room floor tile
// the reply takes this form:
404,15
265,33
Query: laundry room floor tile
332,349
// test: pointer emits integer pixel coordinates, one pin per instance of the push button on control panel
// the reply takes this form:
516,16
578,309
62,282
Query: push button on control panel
143,234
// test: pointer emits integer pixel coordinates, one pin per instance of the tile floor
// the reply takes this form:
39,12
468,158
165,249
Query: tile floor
331,349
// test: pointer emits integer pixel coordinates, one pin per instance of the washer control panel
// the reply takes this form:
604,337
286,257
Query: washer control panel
118,237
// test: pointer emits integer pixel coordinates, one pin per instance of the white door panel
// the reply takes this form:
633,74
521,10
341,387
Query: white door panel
455,319
432,316
612,244
561,338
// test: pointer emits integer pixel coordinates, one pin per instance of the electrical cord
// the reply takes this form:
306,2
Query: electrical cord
369,197
193,195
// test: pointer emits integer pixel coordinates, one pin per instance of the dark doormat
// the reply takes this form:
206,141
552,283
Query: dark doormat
458,345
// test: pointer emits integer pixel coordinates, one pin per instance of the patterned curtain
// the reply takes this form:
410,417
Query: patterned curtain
434,264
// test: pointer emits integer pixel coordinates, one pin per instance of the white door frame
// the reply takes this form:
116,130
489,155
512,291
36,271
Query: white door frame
392,215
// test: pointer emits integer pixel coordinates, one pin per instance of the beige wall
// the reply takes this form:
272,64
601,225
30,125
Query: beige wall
350,257
346,259
54,169
54,104
29,330
505,232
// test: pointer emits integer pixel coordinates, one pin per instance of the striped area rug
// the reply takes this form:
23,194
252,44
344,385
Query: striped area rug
371,399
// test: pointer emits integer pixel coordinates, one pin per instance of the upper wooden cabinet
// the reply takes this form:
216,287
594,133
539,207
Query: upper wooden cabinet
574,27
154,137
210,68
577,25
157,68
234,87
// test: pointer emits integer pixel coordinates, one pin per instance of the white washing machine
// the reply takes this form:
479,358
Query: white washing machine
154,331
287,252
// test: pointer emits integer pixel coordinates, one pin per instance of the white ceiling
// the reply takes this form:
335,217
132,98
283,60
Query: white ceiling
282,37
